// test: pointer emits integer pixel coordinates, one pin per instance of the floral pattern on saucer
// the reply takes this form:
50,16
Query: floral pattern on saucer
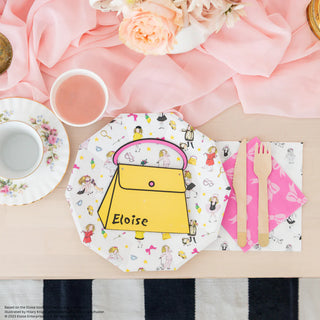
5,116
56,152
8,188
50,139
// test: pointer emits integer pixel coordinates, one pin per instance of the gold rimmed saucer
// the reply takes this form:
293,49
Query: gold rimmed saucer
313,14
17,191
5,53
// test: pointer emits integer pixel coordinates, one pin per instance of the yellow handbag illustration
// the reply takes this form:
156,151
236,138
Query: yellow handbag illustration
142,198
192,160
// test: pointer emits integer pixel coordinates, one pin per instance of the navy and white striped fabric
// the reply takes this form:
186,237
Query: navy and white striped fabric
183,299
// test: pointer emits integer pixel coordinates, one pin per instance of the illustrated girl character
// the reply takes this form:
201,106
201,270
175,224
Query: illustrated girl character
162,118
290,156
212,153
88,234
140,237
186,241
226,151
173,125
213,206
224,246
137,135
291,221
189,185
189,135
193,226
108,164
87,184
164,160
90,210
114,255
183,146
165,258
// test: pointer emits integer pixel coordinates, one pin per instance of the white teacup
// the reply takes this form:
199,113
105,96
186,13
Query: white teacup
65,76
21,150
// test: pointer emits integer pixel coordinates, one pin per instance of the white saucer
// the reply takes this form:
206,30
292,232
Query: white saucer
55,158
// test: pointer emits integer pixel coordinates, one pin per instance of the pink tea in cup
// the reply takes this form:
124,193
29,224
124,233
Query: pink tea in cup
79,98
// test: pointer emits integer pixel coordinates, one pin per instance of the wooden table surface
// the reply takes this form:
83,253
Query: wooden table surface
40,241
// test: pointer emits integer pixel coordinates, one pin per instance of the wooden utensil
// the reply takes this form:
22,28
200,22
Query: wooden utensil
262,168
240,187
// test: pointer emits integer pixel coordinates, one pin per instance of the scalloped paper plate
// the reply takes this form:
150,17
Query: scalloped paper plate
55,157
207,190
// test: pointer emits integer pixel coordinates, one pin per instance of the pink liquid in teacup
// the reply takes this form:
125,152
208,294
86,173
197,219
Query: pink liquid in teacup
80,99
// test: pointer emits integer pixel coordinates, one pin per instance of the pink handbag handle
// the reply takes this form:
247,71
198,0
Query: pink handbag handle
157,141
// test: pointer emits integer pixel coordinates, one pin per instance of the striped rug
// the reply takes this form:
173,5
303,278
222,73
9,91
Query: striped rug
183,299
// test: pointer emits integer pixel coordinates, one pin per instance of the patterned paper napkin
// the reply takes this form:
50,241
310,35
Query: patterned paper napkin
284,197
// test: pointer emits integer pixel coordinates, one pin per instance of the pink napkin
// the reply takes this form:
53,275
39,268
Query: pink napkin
284,197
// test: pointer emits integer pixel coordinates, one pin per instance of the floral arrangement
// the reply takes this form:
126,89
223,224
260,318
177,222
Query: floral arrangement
49,137
151,26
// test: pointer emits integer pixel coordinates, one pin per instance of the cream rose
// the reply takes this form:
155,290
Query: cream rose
151,28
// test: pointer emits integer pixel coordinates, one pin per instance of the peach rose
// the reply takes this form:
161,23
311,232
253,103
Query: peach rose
151,28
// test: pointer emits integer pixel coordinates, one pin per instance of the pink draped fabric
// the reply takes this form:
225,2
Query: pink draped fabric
270,61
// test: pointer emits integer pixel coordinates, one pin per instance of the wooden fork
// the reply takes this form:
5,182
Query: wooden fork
262,168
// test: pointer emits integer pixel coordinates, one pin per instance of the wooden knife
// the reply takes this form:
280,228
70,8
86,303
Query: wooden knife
240,187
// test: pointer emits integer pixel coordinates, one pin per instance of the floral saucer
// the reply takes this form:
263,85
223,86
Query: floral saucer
55,158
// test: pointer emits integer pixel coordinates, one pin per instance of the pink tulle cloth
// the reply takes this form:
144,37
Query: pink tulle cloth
269,62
